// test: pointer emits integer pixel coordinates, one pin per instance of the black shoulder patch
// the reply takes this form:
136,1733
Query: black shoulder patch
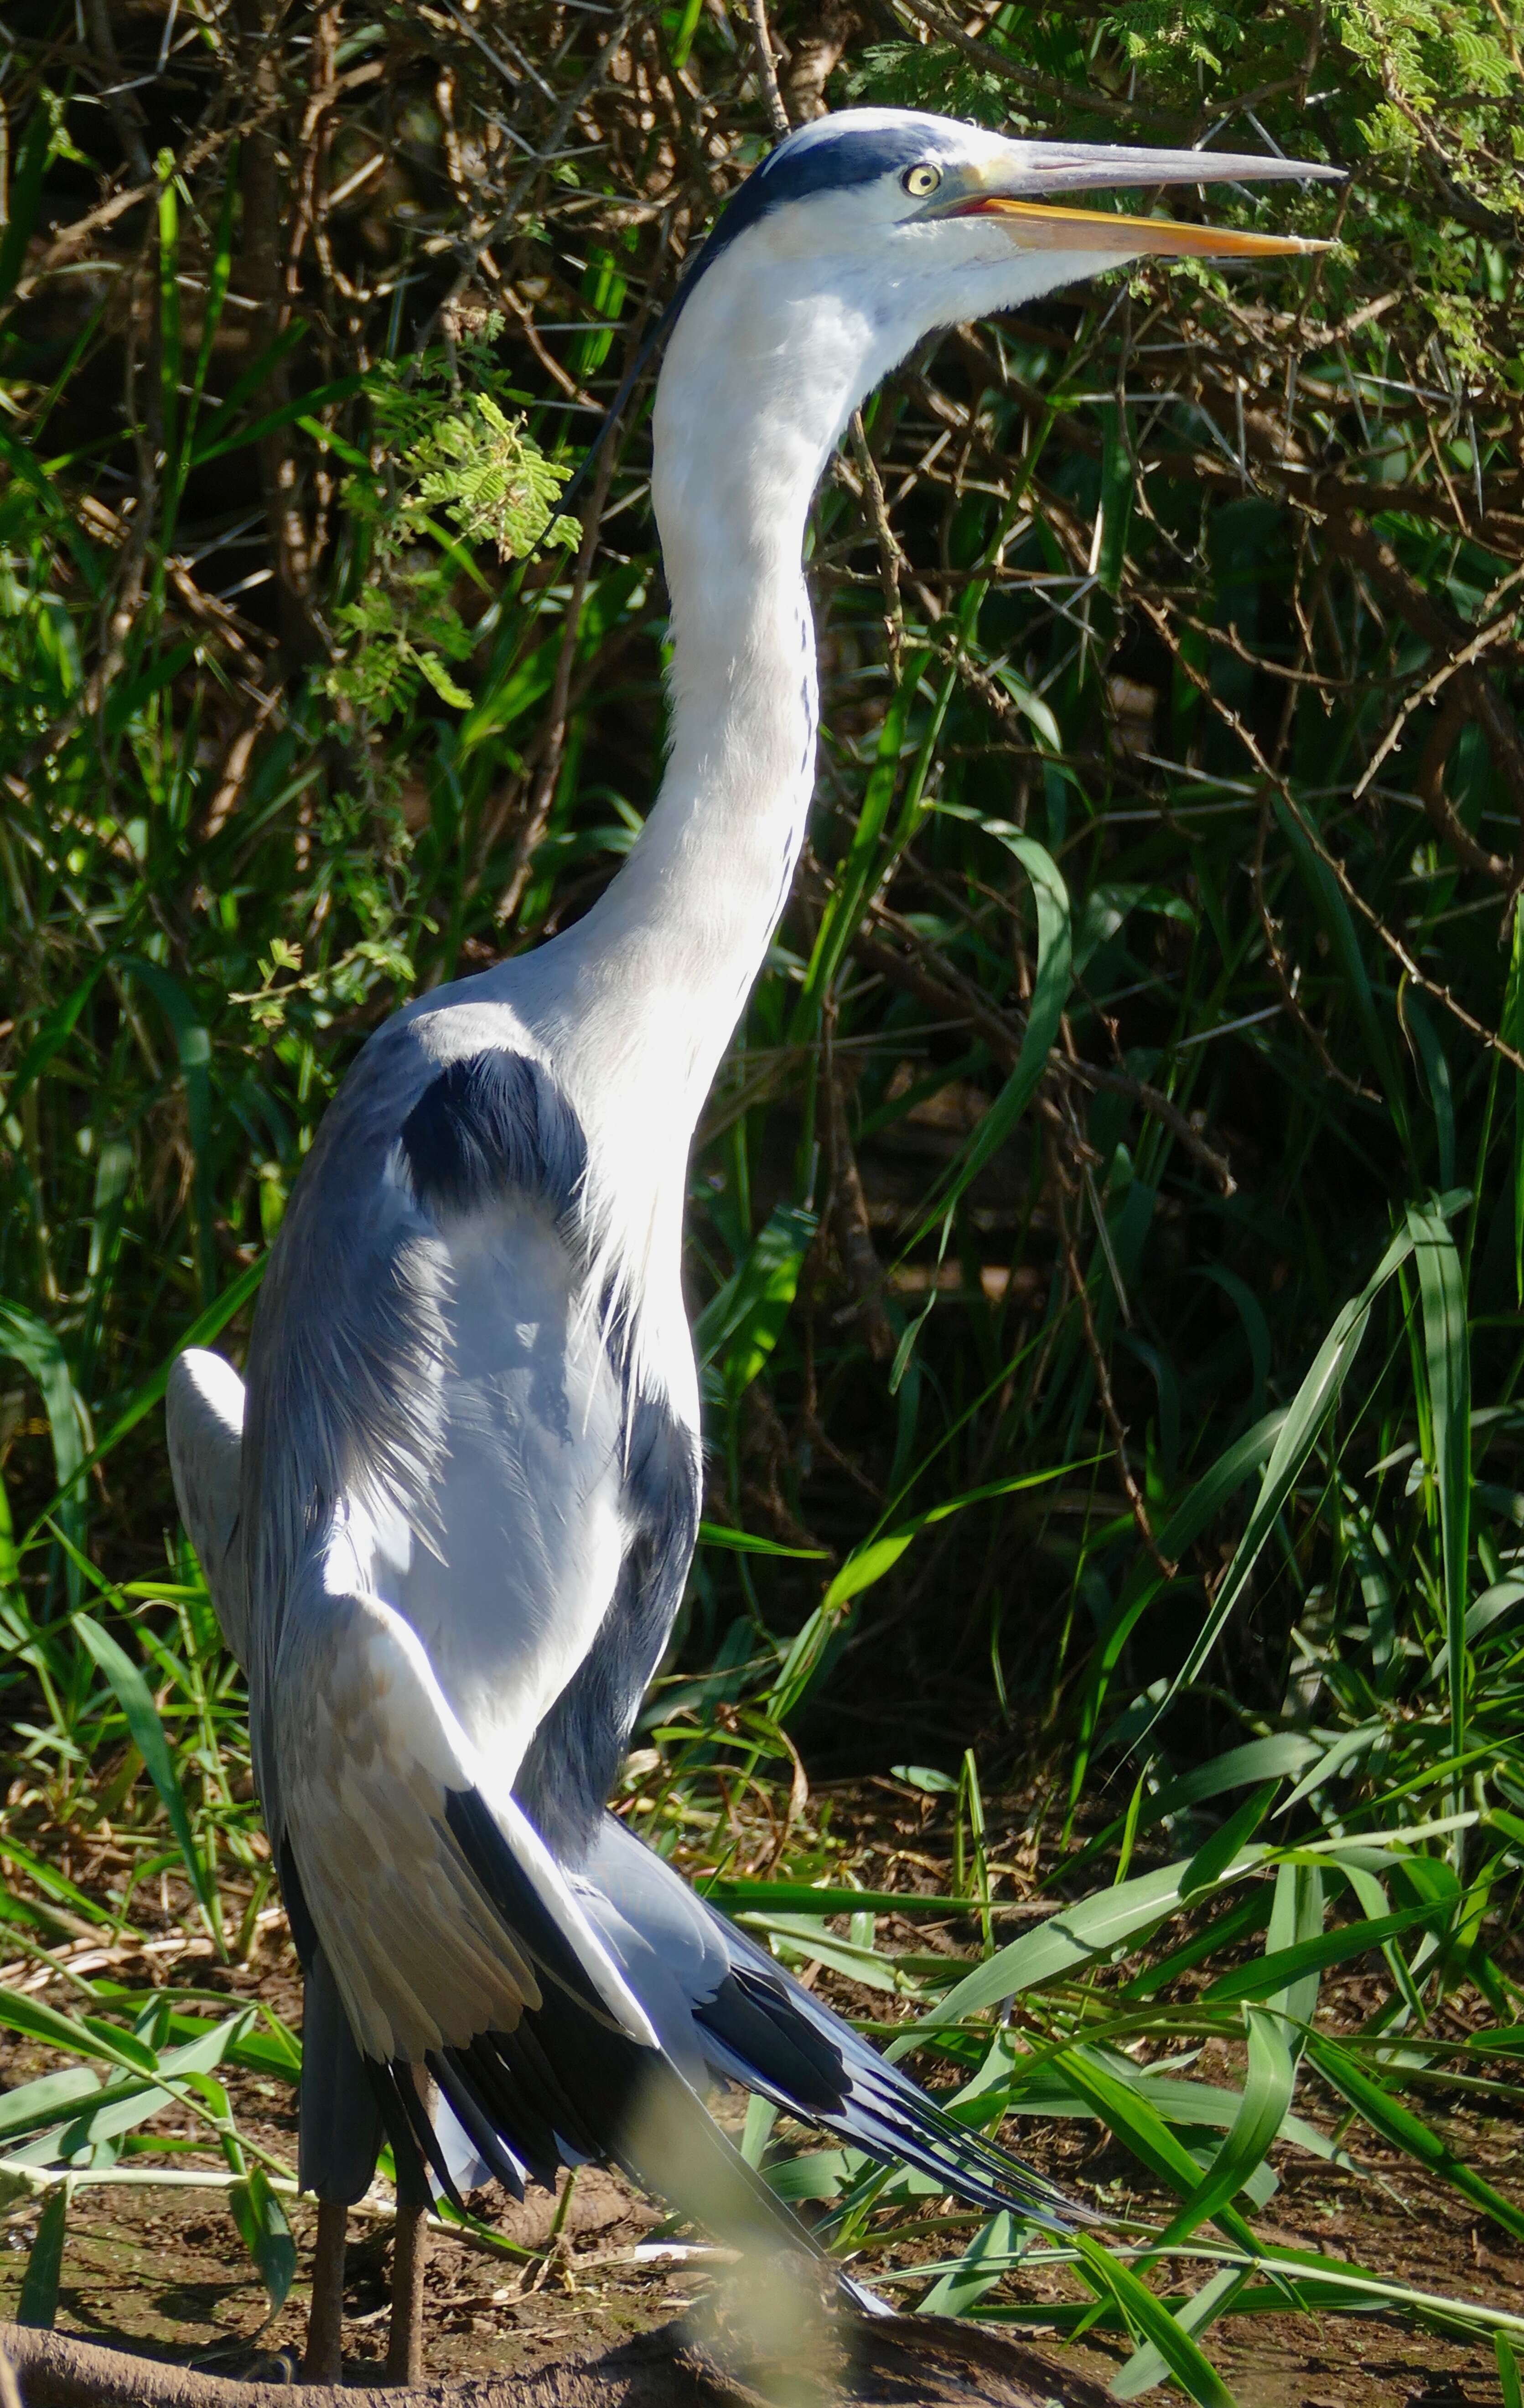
493,1122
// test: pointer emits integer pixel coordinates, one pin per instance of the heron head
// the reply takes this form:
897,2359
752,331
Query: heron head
906,204
865,232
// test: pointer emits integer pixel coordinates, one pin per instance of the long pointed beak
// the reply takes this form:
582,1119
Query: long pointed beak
1069,168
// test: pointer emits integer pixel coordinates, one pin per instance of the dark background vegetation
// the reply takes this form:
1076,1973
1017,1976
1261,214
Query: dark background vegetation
1151,981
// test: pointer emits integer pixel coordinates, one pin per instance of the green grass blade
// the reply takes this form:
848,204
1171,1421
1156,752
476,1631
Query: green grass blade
956,2294
1050,987
39,1351
38,2302
23,197
1278,1972
1150,2318
1108,1919
1268,2087
262,2227
1442,1292
1398,2125
1147,2365
1313,1401
32,2104
142,1716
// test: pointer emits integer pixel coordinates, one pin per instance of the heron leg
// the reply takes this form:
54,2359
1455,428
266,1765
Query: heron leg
409,2255
324,2360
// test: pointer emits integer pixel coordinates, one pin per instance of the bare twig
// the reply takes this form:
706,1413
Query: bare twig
849,1210
767,69
890,555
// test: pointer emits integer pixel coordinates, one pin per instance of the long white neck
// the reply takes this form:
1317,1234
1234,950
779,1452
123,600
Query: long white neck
746,415
636,1004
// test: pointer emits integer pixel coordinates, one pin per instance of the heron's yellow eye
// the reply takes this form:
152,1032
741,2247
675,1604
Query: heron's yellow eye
920,181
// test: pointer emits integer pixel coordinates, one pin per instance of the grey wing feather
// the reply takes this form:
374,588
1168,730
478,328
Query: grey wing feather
202,1411
432,1354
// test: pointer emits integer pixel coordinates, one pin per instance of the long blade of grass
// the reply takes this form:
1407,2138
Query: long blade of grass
1108,1919
142,1716
1442,1291
38,2302
1313,1401
1151,2319
262,2228
1051,986
1398,2125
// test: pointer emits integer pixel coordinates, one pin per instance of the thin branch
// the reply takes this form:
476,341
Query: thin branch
767,69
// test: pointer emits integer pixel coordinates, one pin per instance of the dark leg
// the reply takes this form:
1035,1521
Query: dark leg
324,2359
409,2255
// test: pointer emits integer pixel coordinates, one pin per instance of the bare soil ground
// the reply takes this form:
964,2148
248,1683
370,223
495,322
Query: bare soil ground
161,2272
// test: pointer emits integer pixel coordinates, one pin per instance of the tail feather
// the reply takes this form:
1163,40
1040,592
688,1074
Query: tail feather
571,2081
718,1997
503,2163
764,2023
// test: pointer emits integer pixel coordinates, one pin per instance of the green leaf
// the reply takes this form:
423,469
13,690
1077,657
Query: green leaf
142,1716
749,1542
1116,491
25,193
123,2106
1404,2131
1124,2105
1313,1401
39,1351
859,871
207,1326
1094,1926
801,1897
1150,2318
38,2302
265,2234
192,1044
1441,1290
443,683
215,446
957,2293
867,1565
1214,1857
1283,1966
1345,938
33,2103
35,2020
1266,2103
747,1316
1147,2365
1050,993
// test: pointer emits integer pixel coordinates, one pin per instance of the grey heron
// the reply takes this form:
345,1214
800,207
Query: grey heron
449,1532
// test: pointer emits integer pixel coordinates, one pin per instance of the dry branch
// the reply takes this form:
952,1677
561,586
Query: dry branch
876,2361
